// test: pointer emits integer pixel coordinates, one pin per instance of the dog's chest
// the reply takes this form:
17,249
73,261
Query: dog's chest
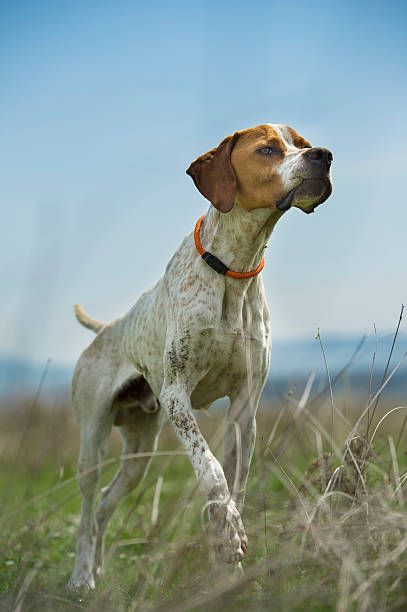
220,368
208,334
236,350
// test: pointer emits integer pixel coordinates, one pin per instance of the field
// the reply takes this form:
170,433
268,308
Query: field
325,514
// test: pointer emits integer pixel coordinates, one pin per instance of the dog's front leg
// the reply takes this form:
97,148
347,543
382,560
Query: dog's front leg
230,536
240,435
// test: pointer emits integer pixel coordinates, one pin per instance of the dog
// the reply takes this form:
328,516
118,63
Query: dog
201,333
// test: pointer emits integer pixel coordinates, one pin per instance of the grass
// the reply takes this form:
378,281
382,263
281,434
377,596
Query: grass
327,530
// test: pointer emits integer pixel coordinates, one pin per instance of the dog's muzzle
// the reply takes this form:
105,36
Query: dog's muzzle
316,190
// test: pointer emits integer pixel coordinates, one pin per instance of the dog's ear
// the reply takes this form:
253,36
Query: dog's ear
214,176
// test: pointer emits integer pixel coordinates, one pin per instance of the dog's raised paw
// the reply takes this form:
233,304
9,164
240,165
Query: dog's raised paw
227,532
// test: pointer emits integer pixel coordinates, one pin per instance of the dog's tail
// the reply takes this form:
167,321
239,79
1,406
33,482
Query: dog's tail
86,321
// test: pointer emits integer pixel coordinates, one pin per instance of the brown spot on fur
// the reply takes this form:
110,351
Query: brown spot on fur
258,182
179,353
298,141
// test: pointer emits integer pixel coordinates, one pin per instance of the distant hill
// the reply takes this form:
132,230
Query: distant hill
23,376
291,363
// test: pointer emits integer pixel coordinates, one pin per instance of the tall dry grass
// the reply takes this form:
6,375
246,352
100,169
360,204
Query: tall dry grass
325,512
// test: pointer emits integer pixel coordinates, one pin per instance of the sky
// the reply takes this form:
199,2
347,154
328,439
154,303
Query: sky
105,104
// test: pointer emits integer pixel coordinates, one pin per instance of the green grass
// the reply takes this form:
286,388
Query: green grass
312,545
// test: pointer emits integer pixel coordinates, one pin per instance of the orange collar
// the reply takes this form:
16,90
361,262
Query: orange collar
215,263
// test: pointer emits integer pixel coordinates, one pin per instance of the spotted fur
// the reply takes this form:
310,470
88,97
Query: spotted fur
194,337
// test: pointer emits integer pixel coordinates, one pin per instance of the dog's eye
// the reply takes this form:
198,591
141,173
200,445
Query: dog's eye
266,150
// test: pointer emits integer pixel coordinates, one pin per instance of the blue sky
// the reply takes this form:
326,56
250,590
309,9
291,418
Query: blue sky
105,104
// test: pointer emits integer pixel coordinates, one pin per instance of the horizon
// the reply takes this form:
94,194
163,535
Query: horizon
292,363
339,341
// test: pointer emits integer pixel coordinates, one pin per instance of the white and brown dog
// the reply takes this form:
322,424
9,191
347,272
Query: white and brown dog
201,333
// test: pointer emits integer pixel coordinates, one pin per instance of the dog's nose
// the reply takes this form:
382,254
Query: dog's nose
320,155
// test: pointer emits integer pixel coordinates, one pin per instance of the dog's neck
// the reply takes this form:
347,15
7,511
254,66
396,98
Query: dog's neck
238,238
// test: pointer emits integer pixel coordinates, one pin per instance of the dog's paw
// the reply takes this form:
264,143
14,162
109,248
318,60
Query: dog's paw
80,583
227,532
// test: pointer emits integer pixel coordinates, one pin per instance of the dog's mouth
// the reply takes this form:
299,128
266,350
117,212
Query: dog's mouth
307,195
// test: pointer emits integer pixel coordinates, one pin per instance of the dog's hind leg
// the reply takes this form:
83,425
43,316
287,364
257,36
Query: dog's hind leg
140,433
93,446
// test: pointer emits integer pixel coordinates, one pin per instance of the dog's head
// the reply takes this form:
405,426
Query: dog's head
267,166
